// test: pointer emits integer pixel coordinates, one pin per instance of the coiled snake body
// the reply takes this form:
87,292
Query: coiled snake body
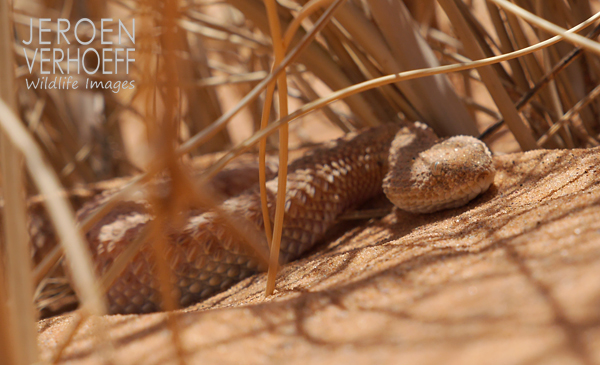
205,256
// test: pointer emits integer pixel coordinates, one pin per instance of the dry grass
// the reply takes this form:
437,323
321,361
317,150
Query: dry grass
201,71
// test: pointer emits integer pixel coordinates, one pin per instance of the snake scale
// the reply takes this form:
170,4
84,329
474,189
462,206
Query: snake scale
206,257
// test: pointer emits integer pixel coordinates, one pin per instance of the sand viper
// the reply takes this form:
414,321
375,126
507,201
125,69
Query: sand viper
417,172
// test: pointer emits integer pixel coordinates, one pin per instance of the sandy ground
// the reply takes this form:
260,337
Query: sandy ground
512,278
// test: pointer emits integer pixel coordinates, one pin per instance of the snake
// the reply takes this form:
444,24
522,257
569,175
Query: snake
418,172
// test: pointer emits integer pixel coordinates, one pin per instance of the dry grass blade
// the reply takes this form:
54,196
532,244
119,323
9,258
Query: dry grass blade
306,11
518,73
367,36
21,324
561,65
274,243
199,115
529,62
568,115
234,79
17,258
60,212
163,136
518,127
279,46
440,105
7,347
549,27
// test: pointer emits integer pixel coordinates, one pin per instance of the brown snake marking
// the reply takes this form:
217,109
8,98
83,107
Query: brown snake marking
205,257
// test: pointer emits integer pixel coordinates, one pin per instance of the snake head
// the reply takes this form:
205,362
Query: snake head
446,175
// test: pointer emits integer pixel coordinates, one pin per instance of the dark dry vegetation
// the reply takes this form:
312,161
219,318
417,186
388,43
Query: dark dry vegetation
196,60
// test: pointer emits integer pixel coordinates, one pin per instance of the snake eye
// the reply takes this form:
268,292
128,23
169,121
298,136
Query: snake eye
437,168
